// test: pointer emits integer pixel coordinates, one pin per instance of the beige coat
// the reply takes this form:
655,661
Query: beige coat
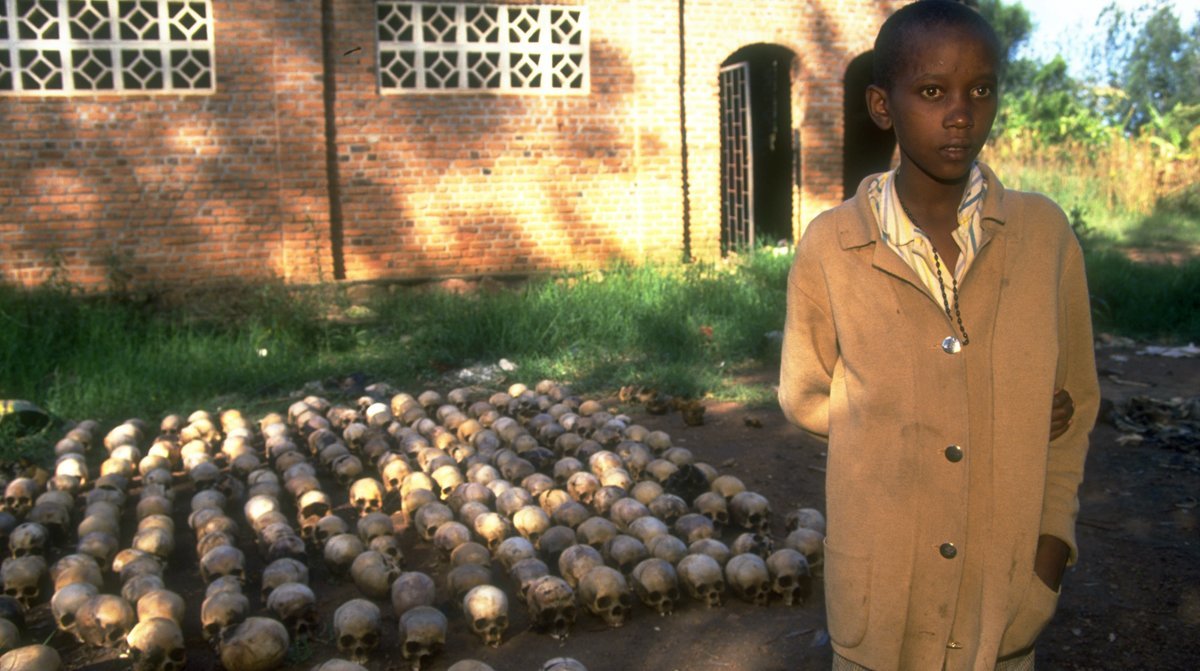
929,559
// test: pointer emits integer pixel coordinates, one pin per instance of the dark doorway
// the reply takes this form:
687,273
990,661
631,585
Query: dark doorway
756,147
866,149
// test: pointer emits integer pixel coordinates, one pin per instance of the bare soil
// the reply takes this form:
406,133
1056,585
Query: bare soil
1132,602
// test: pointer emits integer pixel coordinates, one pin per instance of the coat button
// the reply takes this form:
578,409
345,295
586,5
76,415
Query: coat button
954,454
951,345
948,550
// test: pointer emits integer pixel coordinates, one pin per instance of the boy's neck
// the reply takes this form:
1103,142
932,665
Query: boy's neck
932,205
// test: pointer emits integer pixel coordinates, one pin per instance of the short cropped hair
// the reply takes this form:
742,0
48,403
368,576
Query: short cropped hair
893,43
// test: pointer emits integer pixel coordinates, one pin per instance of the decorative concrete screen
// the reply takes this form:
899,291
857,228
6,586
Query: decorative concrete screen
85,47
447,47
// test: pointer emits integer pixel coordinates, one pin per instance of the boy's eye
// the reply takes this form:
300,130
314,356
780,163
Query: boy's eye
982,91
931,92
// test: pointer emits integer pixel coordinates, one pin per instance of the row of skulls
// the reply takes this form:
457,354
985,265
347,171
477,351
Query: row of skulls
145,618
579,507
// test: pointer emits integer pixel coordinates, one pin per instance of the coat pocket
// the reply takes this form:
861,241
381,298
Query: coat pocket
847,595
1033,614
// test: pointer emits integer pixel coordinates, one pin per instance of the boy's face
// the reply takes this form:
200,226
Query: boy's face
941,103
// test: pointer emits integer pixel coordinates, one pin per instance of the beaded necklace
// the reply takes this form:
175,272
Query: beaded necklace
937,263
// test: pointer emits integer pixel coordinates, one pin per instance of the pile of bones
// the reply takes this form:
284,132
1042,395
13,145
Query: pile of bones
529,498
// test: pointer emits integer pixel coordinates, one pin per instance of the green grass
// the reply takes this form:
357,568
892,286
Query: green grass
1153,301
689,330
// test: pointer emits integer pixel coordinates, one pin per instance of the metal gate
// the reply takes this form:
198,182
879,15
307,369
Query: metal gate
737,164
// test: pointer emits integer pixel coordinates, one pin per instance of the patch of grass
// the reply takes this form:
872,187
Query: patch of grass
1155,301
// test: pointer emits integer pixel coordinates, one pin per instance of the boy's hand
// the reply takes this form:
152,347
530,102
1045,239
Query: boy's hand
1051,561
1061,412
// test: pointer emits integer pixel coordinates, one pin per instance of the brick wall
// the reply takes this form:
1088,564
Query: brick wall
160,190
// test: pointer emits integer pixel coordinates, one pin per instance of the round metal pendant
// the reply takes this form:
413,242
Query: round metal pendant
951,345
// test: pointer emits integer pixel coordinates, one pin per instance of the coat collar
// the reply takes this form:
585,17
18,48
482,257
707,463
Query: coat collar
861,230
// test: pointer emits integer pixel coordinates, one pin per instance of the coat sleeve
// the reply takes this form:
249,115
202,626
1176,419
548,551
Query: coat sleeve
1076,374
809,345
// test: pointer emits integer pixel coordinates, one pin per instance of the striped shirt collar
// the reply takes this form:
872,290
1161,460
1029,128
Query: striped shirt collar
899,232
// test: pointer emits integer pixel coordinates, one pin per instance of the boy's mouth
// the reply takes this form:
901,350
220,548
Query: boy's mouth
955,151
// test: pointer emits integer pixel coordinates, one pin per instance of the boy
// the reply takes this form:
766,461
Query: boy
931,320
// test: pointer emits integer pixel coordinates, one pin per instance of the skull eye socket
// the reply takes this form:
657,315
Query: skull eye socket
604,602
114,635
346,641
480,623
371,639
177,655
502,622
412,648
786,581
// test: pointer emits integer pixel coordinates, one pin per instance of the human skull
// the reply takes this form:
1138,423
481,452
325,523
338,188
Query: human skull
19,496
411,589
646,528
524,573
39,657
100,545
582,486
280,572
513,499
422,634
336,664
805,518
713,548
373,574
811,544
23,578
713,506
221,611
295,605
54,515
493,528
595,531
694,526
463,579
156,644
656,584
135,588
570,513
75,568
576,561
531,522
29,538
430,516
257,644
624,552
606,594
668,548
750,510
356,626
223,560
747,575
450,536
160,603
66,602
158,542
486,608
327,527
563,664
624,511
367,495
104,620
727,486
551,604
753,543
341,551
373,525
790,576
702,578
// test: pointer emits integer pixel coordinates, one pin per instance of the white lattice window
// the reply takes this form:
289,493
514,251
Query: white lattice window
452,47
77,47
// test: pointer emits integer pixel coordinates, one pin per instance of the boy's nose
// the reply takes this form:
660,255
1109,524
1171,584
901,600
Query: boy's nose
959,115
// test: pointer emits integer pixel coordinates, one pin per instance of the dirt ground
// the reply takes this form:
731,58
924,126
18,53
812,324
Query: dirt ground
1132,602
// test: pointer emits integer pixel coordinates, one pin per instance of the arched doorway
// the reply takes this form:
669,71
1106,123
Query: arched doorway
756,147
866,148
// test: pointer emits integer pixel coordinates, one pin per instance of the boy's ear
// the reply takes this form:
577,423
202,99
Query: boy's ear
877,107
